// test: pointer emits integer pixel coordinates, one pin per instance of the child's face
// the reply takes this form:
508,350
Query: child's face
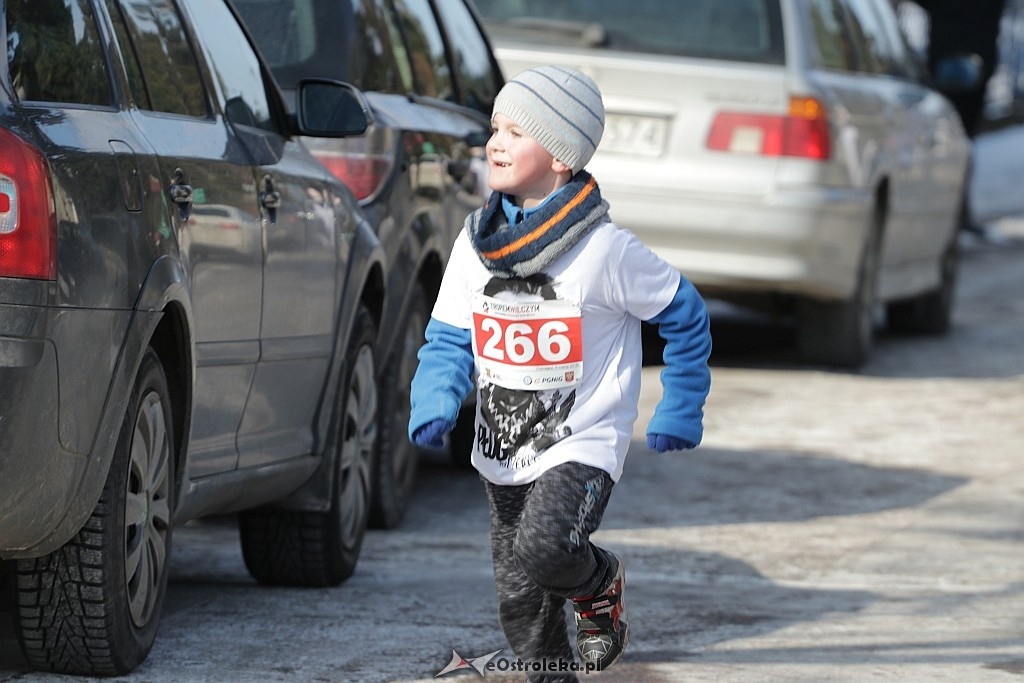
518,165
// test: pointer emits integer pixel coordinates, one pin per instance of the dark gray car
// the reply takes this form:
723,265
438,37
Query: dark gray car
430,76
189,305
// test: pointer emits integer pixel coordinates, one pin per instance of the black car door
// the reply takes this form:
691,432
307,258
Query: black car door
301,281
208,178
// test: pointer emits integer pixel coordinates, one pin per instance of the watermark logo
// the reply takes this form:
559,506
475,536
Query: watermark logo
488,663
460,662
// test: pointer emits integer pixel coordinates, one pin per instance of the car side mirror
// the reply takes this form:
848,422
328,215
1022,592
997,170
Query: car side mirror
331,109
957,74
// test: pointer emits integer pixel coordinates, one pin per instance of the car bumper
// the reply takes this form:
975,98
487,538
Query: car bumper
38,477
55,385
804,242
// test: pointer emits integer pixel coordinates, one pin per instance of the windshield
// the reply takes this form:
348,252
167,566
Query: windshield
735,30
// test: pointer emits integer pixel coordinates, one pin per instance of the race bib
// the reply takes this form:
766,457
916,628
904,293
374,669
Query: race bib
528,345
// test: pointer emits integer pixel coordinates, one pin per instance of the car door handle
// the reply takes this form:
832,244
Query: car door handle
270,198
180,190
181,193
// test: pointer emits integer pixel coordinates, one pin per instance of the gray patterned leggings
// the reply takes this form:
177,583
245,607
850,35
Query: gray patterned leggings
540,540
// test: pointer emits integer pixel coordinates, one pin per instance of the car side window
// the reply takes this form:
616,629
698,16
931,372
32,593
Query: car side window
377,58
904,62
347,40
234,64
830,36
477,78
401,54
430,69
54,53
136,84
170,78
872,44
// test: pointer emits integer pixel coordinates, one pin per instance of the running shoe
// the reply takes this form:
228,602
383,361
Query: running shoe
601,629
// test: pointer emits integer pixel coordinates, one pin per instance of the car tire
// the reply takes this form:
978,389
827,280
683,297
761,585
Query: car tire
842,333
305,548
928,313
92,607
397,457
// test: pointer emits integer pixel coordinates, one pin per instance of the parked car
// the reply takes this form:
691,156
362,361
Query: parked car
153,374
784,154
431,77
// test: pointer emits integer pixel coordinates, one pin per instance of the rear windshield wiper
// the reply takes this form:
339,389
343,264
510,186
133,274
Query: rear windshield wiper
539,29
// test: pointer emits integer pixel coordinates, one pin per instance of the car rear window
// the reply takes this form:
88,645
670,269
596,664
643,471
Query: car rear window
734,30
54,52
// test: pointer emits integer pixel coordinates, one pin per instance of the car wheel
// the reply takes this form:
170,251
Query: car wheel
397,457
461,446
928,313
842,333
92,607
302,548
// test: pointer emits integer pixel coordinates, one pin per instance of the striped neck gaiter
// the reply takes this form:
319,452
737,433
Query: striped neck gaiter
545,234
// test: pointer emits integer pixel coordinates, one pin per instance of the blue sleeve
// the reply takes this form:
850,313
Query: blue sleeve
444,376
686,379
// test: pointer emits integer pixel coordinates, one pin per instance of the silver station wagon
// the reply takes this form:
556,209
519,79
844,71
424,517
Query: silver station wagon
787,155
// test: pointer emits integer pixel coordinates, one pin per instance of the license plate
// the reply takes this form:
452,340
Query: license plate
638,135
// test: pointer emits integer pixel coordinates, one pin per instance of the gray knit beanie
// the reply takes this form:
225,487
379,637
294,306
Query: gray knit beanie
560,108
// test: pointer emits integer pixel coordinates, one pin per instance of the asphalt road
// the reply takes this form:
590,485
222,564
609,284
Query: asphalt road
833,527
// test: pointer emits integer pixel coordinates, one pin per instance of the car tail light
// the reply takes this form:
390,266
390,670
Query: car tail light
363,173
28,225
802,132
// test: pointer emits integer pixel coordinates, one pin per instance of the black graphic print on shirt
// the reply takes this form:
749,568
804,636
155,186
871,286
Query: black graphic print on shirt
516,426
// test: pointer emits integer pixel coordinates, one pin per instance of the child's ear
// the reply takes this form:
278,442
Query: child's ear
560,168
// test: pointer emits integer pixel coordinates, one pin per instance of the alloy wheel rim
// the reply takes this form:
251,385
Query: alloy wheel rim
358,436
147,509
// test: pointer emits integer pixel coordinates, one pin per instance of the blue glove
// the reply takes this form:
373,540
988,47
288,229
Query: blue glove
431,435
664,442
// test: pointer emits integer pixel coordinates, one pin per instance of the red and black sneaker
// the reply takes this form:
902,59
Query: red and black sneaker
601,629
